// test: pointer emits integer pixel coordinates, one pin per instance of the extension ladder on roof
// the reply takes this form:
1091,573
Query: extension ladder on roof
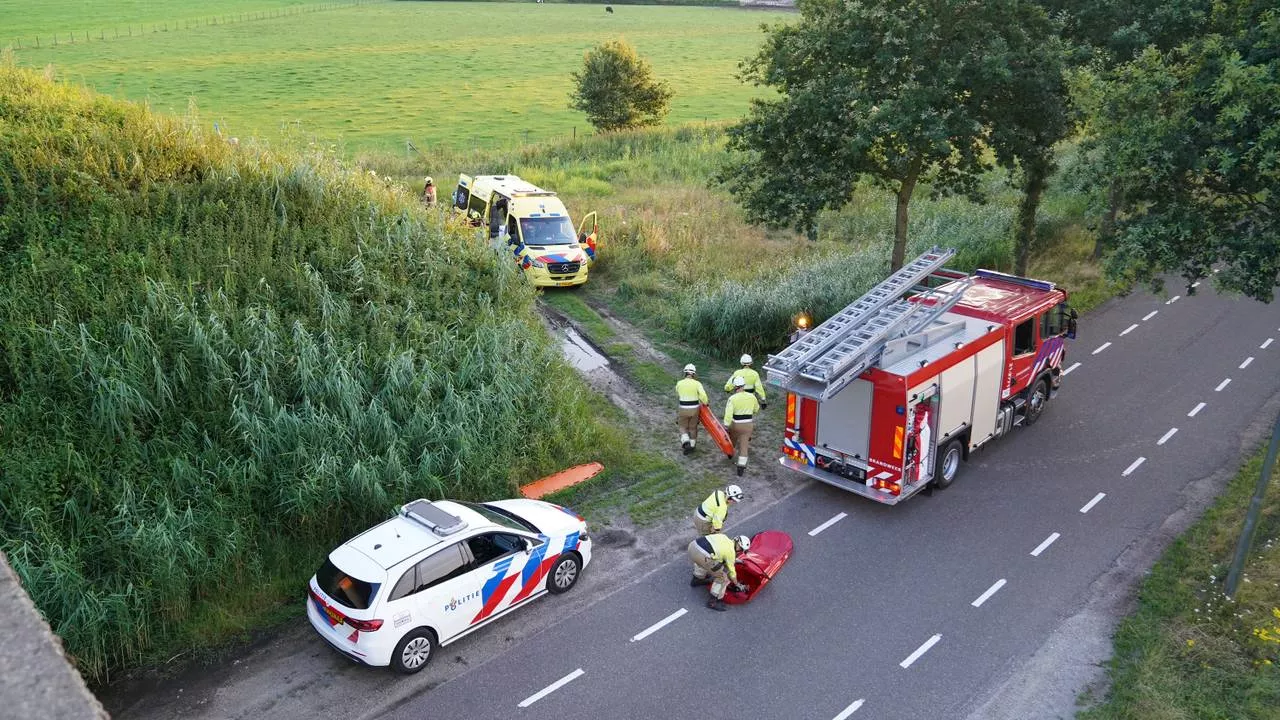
827,359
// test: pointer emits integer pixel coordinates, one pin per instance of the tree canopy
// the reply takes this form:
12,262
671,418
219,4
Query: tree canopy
617,89
897,92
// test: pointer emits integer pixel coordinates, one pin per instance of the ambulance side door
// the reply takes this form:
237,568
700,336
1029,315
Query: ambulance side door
588,231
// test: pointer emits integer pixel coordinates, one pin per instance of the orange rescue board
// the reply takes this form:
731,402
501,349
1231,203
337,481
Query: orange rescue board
542,487
716,430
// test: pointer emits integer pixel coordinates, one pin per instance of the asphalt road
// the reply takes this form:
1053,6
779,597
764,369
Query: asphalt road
875,615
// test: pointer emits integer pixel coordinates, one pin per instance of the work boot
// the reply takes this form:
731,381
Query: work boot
716,604
698,582
687,448
741,469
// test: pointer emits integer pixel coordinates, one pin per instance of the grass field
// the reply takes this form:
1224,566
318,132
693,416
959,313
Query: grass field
372,76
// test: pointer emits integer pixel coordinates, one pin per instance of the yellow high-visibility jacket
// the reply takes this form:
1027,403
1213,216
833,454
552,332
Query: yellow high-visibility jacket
742,407
715,509
752,380
723,551
691,390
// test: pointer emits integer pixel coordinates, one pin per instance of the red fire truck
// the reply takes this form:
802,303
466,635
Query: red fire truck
889,395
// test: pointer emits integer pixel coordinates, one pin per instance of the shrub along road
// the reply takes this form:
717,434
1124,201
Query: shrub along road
1019,571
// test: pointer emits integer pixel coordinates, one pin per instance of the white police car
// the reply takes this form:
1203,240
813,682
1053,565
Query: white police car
439,570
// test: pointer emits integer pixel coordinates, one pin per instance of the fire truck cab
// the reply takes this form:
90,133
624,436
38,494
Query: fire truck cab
891,394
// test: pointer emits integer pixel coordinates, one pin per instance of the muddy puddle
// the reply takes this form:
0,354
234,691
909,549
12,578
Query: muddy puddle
580,353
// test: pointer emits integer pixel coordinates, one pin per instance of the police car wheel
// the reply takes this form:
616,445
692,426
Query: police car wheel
414,651
948,465
564,574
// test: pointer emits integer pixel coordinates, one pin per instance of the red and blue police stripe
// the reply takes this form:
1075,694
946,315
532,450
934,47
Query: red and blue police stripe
535,569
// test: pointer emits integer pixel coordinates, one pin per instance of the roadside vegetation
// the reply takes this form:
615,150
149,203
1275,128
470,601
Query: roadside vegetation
219,361
1188,651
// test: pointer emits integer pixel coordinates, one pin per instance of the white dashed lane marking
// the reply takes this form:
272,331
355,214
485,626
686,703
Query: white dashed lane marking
1195,284
1195,410
1044,545
1246,362
995,587
1089,505
919,651
1133,466
1128,330
1222,384
1149,315
827,524
1165,438
551,688
849,710
659,625
1102,347
1172,300
1266,344
1068,370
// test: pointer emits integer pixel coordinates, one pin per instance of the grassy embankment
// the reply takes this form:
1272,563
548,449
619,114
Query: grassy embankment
373,76
219,362
1189,652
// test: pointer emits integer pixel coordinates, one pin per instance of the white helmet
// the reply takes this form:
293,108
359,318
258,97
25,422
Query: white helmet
429,180
690,369
743,542
745,359
734,493
739,382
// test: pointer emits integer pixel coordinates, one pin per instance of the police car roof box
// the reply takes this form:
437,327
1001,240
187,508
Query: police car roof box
432,517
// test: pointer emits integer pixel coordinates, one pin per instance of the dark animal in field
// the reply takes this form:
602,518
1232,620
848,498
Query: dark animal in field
608,9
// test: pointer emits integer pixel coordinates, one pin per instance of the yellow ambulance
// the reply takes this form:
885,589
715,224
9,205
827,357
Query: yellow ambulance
530,225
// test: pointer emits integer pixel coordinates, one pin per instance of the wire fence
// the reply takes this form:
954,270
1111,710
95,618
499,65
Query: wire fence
142,30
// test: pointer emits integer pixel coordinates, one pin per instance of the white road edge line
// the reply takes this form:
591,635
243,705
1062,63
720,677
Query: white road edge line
827,524
1195,410
1068,370
1044,545
1129,329
850,710
1266,344
1089,505
995,587
919,651
1246,362
1222,384
1172,300
1102,347
1133,466
1165,437
551,688
1149,315
659,625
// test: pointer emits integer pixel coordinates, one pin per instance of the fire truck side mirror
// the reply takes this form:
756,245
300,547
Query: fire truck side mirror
1072,316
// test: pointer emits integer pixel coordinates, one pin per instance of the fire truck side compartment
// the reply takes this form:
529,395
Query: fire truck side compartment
844,421
986,393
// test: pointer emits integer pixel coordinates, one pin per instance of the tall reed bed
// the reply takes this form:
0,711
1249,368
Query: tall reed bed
214,354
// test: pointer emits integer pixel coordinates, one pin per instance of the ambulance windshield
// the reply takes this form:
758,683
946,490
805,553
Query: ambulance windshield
547,231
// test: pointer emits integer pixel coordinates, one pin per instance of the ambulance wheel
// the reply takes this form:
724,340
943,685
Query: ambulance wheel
948,467
1036,401
564,574
414,651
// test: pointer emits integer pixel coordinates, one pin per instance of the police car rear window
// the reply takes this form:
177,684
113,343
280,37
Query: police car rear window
344,589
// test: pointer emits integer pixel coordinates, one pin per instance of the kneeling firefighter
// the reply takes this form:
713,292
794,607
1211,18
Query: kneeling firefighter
714,559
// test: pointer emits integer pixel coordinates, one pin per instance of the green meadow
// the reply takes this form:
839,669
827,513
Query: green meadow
371,76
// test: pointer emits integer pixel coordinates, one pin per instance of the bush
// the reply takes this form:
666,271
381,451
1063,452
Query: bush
616,89
214,355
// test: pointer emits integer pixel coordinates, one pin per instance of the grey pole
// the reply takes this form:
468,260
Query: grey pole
1251,517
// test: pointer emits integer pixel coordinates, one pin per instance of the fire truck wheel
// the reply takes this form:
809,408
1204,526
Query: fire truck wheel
1036,402
948,465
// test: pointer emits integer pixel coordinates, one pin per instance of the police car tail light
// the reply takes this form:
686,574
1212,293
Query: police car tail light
364,625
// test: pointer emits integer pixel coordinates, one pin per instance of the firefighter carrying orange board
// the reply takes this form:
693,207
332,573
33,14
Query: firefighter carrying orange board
891,394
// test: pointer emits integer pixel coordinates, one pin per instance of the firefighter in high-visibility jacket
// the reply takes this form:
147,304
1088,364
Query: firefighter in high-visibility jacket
739,418
710,515
692,397
750,377
715,559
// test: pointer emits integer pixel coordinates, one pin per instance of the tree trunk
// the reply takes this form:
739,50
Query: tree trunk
1107,231
1034,174
905,190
